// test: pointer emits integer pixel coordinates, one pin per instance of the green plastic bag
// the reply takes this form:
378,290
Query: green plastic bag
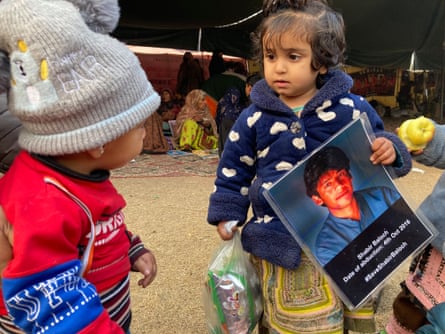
232,296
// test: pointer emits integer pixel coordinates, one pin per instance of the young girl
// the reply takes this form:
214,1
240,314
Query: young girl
82,98
300,104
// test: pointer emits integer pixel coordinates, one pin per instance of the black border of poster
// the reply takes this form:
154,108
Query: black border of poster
363,266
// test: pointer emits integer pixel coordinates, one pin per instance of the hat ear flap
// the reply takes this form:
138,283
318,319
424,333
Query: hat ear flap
101,16
5,74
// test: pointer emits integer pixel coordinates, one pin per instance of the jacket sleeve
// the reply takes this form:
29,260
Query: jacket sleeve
434,152
137,248
432,206
234,174
56,300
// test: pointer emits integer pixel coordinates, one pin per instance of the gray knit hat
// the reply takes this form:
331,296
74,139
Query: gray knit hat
72,88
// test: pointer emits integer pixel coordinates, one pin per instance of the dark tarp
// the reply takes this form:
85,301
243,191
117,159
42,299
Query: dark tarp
191,25
379,32
382,32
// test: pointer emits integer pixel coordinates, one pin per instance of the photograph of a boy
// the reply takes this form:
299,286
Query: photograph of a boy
328,182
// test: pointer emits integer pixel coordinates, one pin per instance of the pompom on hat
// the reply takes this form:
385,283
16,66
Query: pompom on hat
73,88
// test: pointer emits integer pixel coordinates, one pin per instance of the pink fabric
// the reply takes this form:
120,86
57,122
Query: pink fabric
429,288
393,327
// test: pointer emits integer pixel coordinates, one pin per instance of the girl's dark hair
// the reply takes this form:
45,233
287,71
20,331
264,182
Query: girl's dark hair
273,6
312,20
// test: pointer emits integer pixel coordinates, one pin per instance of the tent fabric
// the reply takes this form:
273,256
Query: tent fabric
386,33
379,32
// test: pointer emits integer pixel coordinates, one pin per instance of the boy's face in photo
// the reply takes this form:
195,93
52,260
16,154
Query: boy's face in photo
335,190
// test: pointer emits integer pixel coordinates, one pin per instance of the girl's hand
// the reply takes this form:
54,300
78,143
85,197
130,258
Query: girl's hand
223,231
383,151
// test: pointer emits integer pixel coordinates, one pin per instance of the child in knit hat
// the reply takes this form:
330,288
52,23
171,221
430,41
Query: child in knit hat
82,98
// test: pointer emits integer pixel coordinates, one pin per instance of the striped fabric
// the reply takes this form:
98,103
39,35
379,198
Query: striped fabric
117,302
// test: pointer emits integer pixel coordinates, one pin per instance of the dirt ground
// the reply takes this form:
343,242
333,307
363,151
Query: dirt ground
170,215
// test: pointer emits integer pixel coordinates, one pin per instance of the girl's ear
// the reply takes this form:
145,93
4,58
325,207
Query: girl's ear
323,70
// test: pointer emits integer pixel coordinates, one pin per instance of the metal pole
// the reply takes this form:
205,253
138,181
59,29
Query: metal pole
442,84
198,47
442,88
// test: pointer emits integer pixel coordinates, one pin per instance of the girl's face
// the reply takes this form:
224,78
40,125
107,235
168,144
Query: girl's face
288,70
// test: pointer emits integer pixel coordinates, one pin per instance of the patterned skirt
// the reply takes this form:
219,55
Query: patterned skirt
301,301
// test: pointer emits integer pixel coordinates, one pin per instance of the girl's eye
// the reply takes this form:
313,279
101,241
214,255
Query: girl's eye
269,56
294,56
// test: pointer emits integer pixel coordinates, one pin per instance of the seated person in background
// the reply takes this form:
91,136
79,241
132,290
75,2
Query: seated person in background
328,183
227,112
234,76
169,108
230,106
251,80
154,141
195,128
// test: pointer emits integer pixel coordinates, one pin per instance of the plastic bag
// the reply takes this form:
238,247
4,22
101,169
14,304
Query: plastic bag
232,295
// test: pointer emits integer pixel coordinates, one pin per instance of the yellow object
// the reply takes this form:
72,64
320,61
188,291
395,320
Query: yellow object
416,133
43,69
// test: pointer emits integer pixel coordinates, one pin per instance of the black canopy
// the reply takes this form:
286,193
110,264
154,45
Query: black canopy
381,33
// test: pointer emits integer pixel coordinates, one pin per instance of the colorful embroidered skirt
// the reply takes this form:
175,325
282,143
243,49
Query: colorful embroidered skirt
301,301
